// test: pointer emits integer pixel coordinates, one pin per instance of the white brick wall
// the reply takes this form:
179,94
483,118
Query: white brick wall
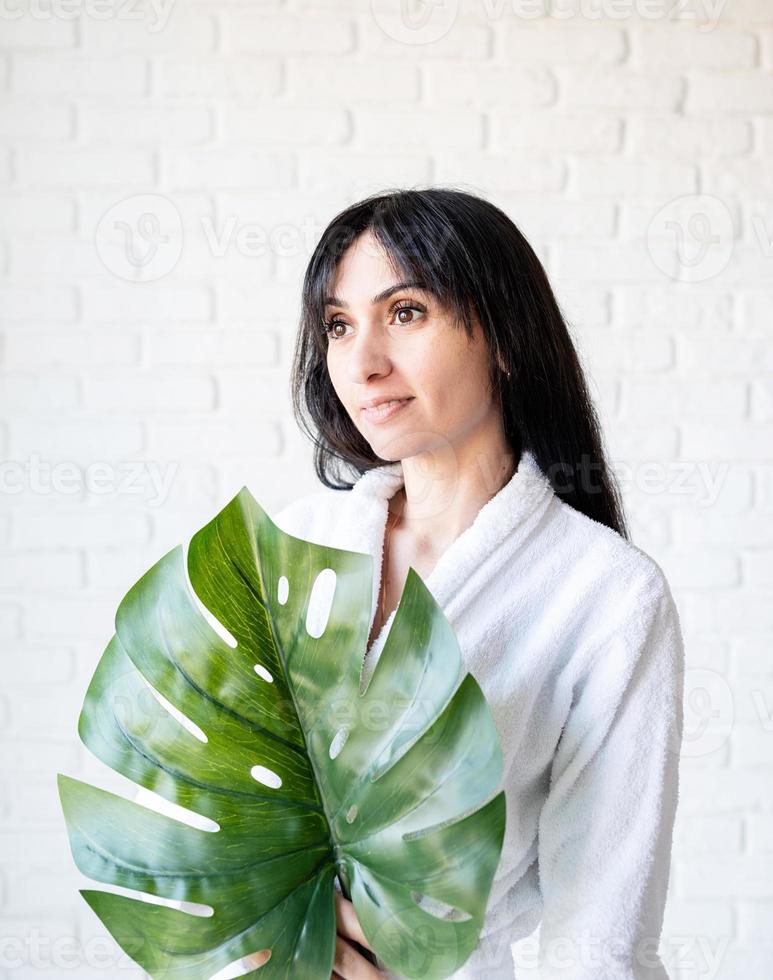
256,123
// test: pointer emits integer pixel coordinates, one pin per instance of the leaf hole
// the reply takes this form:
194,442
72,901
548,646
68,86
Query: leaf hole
184,720
266,776
213,621
339,740
282,590
261,671
440,910
243,966
320,602
351,813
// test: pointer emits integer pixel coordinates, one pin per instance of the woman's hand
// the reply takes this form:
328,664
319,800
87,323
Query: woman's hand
349,964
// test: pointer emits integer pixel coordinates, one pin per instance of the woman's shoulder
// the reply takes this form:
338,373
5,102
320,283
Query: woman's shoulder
605,554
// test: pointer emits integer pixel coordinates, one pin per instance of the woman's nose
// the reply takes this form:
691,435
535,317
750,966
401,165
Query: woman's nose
367,355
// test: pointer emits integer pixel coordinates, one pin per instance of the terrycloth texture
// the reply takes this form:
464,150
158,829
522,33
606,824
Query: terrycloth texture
573,635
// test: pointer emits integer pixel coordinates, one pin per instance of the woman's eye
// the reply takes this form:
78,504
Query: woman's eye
328,328
395,312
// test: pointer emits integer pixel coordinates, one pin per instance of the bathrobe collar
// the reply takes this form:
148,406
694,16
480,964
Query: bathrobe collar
510,512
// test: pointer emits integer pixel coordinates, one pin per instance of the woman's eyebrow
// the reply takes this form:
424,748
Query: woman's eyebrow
379,297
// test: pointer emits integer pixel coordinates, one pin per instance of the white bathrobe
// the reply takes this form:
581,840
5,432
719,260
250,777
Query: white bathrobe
574,637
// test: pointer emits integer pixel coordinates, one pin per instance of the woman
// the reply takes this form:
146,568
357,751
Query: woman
496,491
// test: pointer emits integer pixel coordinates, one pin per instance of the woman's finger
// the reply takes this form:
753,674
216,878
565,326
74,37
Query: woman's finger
350,965
348,924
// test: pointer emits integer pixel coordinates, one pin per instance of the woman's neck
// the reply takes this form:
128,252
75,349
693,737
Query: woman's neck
435,508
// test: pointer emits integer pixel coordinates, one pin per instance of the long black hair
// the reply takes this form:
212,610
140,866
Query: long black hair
472,257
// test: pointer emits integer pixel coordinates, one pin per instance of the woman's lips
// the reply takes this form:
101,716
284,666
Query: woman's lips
386,410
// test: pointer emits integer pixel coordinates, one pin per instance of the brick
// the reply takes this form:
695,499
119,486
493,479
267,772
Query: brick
152,301
37,122
97,78
68,168
84,527
603,261
728,442
719,400
85,440
165,29
215,79
744,876
707,834
644,443
758,568
601,88
754,917
712,527
267,33
702,569
762,400
754,313
35,666
659,307
44,348
752,741
421,129
278,124
251,392
633,178
49,33
501,172
47,213
738,791
671,49
703,353
470,40
22,302
346,82
156,392
744,92
38,393
327,170
249,169
77,618
43,755
677,136
750,655
610,352
556,130
191,437
137,124
515,88
10,620
562,44
183,347
59,260
727,177
40,570
36,849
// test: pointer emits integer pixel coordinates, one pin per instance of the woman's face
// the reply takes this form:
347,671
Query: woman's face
404,345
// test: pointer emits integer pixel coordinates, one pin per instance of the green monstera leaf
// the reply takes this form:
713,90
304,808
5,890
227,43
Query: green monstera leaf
303,776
